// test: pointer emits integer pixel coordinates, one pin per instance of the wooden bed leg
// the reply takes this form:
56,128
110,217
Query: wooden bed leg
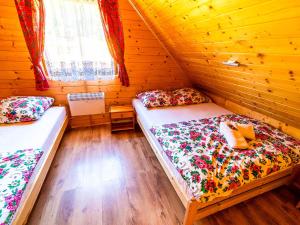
190,213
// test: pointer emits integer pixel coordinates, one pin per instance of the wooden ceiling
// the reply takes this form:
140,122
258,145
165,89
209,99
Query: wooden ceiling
263,36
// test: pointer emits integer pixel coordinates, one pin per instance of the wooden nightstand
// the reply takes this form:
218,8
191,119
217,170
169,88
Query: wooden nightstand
122,118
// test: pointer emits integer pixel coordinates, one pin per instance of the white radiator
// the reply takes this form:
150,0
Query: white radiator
86,103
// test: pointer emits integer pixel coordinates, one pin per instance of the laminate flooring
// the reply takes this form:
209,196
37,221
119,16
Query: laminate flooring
99,178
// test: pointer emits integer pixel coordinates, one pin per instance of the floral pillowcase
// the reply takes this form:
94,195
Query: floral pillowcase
188,96
23,108
155,98
183,96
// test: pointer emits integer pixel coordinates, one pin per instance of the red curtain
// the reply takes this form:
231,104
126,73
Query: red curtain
113,29
31,15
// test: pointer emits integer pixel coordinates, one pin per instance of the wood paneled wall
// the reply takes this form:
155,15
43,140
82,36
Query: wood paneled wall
264,36
148,63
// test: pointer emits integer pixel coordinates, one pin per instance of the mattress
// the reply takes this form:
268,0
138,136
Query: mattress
164,115
173,114
37,134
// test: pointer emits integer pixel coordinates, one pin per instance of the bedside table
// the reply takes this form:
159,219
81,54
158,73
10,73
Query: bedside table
122,118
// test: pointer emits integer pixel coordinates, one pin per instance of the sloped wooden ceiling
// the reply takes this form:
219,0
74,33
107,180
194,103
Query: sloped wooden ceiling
149,65
264,36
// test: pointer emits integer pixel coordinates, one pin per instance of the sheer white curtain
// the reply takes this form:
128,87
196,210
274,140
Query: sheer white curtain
75,45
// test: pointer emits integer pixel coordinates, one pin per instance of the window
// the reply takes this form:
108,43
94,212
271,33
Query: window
75,45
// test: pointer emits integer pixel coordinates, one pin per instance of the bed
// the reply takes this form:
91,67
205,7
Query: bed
195,209
43,135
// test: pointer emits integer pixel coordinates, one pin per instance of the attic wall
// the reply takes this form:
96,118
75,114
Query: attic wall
264,36
149,65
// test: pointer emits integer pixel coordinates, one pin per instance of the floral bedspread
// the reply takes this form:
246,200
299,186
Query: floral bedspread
210,167
16,168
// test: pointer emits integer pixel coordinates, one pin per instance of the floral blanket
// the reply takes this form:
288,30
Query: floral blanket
16,168
210,167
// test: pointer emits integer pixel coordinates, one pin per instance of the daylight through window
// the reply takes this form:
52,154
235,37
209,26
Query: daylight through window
75,45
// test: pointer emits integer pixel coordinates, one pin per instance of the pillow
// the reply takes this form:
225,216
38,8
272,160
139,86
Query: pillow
155,98
188,96
23,108
182,96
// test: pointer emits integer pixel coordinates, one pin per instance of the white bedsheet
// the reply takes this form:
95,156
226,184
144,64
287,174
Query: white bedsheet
37,134
164,115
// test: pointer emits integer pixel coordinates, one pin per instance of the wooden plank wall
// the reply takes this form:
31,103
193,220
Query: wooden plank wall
237,108
264,36
148,64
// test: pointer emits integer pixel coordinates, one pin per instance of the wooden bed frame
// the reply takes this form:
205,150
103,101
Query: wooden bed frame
196,210
32,193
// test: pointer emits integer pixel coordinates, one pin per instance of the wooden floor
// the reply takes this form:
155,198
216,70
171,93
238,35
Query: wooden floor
114,179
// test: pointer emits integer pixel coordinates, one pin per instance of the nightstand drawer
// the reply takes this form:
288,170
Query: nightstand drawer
118,115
